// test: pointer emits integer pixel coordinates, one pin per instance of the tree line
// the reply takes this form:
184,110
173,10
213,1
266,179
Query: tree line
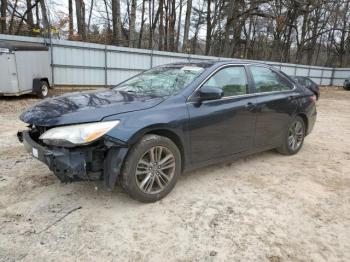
313,32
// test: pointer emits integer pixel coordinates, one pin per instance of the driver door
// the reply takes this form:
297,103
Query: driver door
225,126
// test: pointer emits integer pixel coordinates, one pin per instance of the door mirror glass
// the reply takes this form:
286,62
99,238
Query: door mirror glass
210,93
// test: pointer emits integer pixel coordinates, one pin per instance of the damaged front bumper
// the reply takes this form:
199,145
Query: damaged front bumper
102,163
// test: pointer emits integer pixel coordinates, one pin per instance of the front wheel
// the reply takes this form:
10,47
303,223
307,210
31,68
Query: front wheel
151,168
294,137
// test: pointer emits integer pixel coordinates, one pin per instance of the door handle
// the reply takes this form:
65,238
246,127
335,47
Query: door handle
291,97
250,106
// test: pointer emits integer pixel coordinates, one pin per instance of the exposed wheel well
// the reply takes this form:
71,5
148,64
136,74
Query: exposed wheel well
173,137
305,121
46,80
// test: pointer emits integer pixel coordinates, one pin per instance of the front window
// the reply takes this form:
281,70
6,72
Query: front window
162,81
232,81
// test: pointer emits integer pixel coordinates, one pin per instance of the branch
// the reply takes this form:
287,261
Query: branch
61,218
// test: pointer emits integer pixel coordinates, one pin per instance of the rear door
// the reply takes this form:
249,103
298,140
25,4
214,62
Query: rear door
225,126
276,105
8,74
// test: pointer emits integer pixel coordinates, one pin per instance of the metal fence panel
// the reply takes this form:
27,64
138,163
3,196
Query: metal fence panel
79,63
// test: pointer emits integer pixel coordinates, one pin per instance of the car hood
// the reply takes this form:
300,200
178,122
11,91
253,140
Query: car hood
83,107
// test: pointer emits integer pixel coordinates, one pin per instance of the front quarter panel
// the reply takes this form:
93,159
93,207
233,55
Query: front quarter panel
171,115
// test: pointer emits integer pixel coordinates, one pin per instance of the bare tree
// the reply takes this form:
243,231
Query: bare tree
172,22
30,20
44,14
142,23
116,22
70,19
161,25
209,28
132,24
14,10
3,16
80,12
90,15
178,27
187,26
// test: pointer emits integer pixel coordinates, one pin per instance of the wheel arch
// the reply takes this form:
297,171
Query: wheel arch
165,132
46,80
37,84
306,122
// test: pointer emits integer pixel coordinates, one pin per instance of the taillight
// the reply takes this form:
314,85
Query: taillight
313,98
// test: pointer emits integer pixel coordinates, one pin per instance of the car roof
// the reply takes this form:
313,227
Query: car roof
301,77
208,63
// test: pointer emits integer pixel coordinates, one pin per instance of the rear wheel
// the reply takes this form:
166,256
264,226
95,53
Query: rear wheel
44,89
294,137
151,168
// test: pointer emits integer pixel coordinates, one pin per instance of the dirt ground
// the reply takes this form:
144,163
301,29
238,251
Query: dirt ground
266,207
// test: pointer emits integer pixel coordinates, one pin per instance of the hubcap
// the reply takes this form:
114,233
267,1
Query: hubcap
44,90
295,136
155,170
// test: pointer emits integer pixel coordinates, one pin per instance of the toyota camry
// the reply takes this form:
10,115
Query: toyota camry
151,128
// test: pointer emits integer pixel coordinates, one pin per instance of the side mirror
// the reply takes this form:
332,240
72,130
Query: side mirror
210,93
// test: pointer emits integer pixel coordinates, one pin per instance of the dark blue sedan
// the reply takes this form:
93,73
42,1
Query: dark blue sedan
154,126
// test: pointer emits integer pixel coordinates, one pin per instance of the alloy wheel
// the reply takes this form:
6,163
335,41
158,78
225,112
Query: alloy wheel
155,170
295,135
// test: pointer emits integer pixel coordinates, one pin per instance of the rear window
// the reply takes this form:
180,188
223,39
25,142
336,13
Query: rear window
266,80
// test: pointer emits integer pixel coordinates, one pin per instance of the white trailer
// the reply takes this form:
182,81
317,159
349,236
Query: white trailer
24,68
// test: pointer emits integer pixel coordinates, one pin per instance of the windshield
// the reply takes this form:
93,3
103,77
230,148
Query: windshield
162,81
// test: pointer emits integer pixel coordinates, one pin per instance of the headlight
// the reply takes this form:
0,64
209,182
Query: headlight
77,134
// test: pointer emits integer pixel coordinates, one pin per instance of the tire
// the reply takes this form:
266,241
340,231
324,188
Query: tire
44,89
346,88
296,130
139,170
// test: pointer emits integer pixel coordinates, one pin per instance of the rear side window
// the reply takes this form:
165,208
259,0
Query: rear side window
267,80
308,82
232,80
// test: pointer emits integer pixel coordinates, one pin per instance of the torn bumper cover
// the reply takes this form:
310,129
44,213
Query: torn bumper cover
77,164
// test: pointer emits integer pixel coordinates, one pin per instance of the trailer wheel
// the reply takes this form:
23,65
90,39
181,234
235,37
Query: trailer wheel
44,89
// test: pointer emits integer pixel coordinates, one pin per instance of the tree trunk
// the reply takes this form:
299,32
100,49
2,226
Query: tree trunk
178,28
172,21
116,22
166,30
132,24
90,14
208,36
108,28
185,45
342,47
80,11
3,16
12,17
70,19
37,22
30,21
161,25
151,21
230,18
142,23
44,16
